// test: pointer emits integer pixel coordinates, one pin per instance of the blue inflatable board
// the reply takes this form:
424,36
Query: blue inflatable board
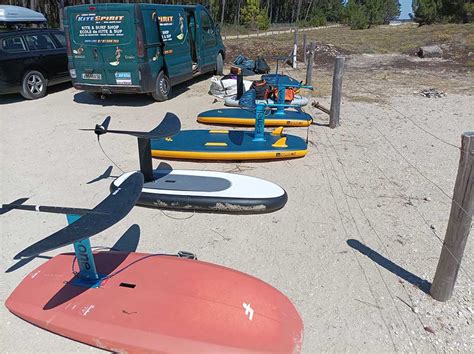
229,145
238,116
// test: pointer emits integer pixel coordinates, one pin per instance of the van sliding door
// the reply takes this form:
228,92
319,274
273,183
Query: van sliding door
208,42
176,44
153,46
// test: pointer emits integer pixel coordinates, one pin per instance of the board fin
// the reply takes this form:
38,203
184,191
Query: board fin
110,211
281,143
278,131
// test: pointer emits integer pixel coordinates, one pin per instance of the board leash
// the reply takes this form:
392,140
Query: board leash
108,157
180,254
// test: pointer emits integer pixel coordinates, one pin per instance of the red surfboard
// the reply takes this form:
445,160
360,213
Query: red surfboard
156,303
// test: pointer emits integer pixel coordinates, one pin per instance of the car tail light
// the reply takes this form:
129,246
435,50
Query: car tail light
140,44
72,72
68,43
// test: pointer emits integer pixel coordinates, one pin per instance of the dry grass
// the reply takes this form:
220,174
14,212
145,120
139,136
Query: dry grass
379,40
394,39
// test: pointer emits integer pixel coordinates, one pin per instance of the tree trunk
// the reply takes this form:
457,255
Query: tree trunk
271,14
309,9
298,10
61,14
223,12
237,21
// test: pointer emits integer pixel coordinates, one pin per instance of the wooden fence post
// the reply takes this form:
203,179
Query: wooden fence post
309,67
459,224
295,47
336,93
304,48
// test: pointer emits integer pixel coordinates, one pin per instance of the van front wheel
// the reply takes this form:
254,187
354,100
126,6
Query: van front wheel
219,64
162,88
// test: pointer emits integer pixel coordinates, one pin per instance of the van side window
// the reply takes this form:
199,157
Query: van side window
206,23
13,44
39,41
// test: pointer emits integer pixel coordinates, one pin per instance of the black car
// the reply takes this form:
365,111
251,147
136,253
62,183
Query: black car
32,59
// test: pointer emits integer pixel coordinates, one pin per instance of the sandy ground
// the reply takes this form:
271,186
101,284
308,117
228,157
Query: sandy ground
360,191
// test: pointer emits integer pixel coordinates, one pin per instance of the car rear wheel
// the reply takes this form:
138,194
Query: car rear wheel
33,85
219,64
162,88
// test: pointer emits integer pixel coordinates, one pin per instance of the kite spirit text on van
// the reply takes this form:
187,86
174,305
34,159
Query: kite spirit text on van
93,17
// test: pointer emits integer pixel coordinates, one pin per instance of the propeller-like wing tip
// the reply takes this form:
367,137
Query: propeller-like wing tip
106,122
100,129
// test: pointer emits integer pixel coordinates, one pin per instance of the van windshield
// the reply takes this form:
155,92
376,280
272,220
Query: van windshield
101,27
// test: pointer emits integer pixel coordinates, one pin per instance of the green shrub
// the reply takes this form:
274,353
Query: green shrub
318,19
255,17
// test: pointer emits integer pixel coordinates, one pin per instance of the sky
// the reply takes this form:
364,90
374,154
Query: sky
405,8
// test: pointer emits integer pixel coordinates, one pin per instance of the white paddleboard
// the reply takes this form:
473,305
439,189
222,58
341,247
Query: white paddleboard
209,191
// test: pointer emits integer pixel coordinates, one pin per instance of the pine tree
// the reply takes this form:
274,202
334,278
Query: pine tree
374,11
426,11
454,10
356,15
391,10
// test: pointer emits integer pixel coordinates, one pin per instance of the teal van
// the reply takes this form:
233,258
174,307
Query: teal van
140,48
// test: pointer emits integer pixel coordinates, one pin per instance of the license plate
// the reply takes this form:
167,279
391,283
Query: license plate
122,78
92,76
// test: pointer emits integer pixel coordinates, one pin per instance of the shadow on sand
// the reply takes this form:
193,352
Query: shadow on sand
420,283
134,100
16,97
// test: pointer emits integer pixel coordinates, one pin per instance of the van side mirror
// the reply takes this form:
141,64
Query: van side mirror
218,29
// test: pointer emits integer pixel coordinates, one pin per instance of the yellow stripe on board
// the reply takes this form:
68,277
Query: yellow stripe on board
216,144
251,121
258,155
218,131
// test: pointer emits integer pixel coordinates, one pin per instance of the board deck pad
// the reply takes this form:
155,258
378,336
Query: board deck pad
226,145
209,191
238,116
159,304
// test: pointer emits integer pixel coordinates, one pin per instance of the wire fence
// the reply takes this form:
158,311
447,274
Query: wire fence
413,166
274,32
